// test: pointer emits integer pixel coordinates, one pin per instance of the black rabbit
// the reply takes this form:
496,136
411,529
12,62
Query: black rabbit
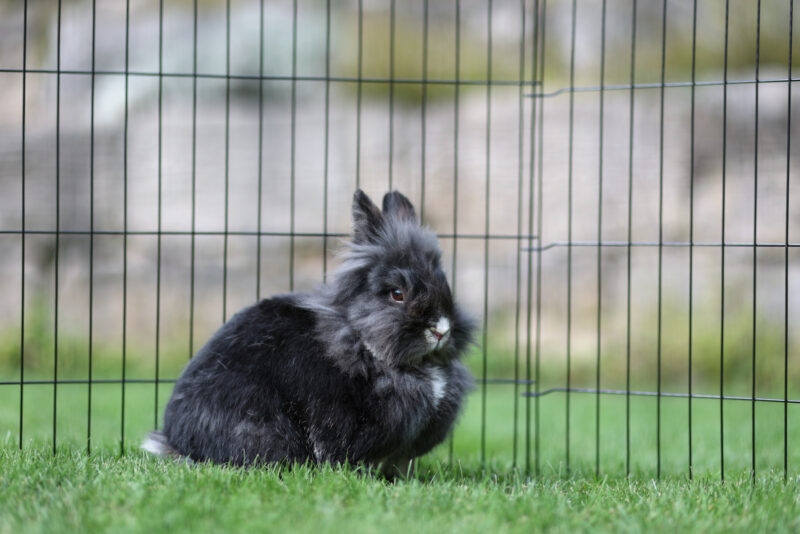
363,370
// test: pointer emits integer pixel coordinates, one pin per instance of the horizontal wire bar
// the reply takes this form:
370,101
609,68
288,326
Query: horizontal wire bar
559,244
554,244
655,394
86,381
498,381
419,81
274,77
171,233
238,233
628,87
83,381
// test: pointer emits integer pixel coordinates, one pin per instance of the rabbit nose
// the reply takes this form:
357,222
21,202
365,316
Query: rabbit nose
441,328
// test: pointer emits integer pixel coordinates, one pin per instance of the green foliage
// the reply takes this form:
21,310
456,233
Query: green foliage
38,357
502,359
39,344
409,59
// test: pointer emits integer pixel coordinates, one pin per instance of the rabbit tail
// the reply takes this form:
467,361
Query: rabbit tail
156,443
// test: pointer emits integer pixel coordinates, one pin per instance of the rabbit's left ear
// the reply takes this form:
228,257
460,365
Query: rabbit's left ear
367,218
397,206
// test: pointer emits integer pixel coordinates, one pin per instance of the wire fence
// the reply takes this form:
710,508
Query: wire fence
578,219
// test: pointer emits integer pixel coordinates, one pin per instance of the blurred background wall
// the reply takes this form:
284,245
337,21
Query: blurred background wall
158,163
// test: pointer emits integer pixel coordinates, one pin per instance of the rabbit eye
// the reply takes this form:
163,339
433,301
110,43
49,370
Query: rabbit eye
397,295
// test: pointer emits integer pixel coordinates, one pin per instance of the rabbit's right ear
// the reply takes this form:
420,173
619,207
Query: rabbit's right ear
367,218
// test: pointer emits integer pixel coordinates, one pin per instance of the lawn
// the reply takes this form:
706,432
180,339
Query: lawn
70,491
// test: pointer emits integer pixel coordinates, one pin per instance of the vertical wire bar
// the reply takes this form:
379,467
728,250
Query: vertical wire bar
22,224
691,230
600,240
456,94
786,258
755,252
520,175
529,293
359,89
569,229
125,231
539,221
160,174
91,236
486,230
629,249
391,93
327,140
58,224
194,183
722,250
423,110
227,157
260,143
660,236
293,147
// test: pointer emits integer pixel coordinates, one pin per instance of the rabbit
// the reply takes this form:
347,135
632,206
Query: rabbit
364,370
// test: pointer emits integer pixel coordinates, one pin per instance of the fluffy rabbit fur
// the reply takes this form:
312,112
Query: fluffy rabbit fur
363,370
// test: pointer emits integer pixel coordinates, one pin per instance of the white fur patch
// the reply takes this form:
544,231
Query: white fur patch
370,349
154,447
438,384
443,328
443,325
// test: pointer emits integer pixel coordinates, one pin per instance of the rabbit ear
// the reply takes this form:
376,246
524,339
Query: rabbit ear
398,206
367,218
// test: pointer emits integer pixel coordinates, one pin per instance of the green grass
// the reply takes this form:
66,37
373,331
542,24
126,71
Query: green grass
70,491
